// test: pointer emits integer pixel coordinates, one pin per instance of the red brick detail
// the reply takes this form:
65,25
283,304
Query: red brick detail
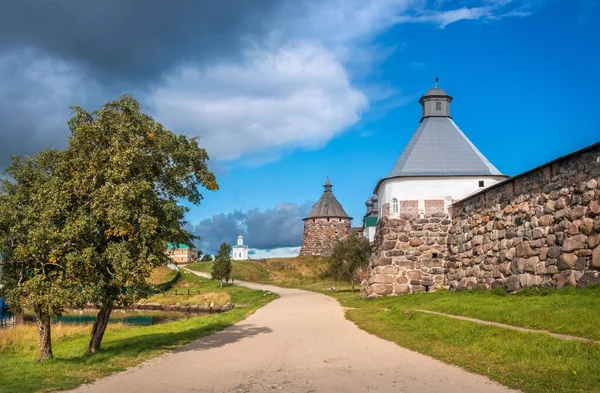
434,206
411,207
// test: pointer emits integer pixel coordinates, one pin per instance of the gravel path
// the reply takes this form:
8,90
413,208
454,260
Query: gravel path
299,343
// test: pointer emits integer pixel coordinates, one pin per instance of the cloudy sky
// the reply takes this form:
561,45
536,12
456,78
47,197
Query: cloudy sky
285,92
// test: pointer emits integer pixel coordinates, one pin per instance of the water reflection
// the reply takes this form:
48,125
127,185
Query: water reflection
126,317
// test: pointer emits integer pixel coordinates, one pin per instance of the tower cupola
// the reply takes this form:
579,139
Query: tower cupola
436,102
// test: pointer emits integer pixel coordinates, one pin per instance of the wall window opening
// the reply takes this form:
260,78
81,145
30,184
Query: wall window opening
438,106
481,183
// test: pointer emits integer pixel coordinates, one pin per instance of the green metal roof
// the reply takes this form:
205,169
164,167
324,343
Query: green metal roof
370,221
172,246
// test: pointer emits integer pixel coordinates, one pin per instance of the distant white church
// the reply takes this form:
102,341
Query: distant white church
240,250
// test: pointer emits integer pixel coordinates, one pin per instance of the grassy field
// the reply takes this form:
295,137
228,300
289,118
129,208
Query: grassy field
527,361
292,272
123,346
241,270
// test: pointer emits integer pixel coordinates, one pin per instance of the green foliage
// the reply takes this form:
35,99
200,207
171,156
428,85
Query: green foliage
221,269
350,256
91,223
34,273
37,272
206,258
126,174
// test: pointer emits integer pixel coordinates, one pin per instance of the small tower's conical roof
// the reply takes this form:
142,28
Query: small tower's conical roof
327,206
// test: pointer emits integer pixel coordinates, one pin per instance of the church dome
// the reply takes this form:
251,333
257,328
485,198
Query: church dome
435,91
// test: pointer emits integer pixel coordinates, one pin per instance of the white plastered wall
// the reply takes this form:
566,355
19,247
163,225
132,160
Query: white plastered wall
239,253
448,188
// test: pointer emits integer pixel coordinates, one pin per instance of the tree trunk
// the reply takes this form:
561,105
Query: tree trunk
352,285
99,328
221,283
45,341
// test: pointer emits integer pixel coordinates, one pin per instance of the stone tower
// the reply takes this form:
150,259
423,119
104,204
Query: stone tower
326,223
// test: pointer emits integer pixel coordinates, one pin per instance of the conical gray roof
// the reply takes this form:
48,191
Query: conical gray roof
440,148
327,205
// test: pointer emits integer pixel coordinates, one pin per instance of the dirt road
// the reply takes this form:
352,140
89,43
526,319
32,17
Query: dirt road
299,343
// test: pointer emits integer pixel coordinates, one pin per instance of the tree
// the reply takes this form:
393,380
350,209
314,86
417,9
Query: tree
221,269
37,270
350,256
206,258
125,175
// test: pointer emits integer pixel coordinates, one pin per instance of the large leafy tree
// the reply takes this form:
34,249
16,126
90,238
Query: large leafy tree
350,256
126,176
38,261
206,258
221,269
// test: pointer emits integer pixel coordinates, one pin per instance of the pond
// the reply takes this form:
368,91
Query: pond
126,317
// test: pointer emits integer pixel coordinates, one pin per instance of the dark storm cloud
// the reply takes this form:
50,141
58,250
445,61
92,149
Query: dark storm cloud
59,53
134,39
273,228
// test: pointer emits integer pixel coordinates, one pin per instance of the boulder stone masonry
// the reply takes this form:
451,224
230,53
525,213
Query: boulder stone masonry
409,253
539,229
321,234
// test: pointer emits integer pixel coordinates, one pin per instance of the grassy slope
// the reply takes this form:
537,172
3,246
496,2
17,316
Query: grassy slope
241,270
122,346
162,275
531,362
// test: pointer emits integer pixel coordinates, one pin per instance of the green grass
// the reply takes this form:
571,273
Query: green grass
122,346
527,361
531,362
567,311
241,270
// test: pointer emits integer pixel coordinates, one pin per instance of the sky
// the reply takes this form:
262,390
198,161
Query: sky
283,93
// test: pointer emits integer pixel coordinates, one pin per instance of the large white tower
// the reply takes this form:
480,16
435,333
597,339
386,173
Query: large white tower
439,163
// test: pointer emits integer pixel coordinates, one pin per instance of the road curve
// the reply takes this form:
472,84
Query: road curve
298,343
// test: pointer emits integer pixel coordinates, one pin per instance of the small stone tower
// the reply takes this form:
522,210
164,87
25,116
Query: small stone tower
326,223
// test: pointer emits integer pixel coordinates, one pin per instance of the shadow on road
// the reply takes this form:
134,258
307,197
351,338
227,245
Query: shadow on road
229,335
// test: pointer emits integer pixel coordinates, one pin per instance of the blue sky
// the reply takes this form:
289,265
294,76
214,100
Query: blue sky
521,94
284,93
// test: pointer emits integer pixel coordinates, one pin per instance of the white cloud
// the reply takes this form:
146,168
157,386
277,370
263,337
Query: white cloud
301,85
299,95
283,252
488,10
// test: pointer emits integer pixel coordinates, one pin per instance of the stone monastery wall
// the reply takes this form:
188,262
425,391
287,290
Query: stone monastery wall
408,255
321,234
538,229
